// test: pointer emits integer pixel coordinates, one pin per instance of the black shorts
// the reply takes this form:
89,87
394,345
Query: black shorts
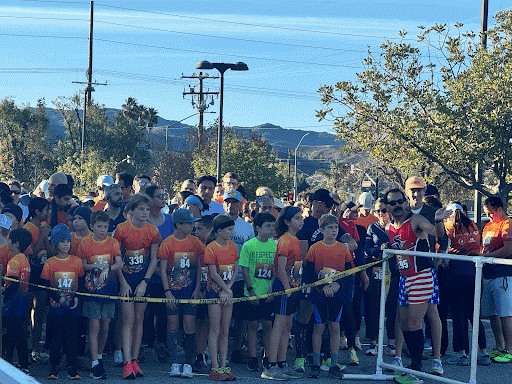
262,311
202,312
239,308
327,311
183,309
133,287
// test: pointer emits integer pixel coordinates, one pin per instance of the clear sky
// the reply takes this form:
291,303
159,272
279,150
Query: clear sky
141,48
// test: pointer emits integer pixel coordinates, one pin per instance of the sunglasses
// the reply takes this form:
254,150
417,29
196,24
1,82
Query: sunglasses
395,202
15,192
381,210
144,183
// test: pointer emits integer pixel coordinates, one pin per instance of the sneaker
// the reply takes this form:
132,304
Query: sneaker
54,373
73,373
175,370
290,372
274,373
187,371
238,358
118,358
458,359
227,373
199,364
397,362
500,356
358,345
343,343
352,357
136,368
407,379
372,351
391,350
97,372
427,344
315,372
483,359
216,374
437,367
336,372
326,364
159,349
253,365
128,372
299,364
40,357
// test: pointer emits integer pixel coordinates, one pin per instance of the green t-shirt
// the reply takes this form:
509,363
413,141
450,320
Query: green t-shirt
259,258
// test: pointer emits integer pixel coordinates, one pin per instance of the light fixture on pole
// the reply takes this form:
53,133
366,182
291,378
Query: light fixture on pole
295,177
221,67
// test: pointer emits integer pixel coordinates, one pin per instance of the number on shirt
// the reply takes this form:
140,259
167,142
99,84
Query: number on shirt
136,259
263,271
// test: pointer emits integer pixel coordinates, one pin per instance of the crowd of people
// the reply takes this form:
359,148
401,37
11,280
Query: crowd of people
66,259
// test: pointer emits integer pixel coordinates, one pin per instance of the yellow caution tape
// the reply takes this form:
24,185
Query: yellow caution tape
334,277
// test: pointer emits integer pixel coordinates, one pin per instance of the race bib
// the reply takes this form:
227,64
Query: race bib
184,260
263,271
100,259
296,273
180,276
377,273
226,272
133,261
404,262
326,272
204,274
64,280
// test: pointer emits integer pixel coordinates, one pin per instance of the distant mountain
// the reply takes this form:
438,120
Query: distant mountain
316,150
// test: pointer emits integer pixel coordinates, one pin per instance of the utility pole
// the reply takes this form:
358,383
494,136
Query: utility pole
201,104
477,211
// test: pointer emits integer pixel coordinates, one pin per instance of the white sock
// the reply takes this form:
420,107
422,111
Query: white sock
95,363
100,357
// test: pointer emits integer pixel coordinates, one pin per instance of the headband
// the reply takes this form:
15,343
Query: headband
193,199
223,225
291,211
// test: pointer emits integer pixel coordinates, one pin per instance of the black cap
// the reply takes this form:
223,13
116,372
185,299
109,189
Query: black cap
431,190
323,195
349,205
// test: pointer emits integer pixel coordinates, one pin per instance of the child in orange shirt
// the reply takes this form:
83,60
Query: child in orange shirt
326,258
222,260
180,262
15,308
62,272
101,257
139,241
81,220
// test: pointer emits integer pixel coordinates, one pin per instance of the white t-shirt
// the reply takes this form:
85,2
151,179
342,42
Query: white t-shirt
214,208
243,232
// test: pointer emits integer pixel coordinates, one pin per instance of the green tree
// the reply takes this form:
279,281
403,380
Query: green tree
24,150
412,109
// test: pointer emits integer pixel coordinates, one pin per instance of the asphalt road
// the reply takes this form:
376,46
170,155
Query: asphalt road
159,372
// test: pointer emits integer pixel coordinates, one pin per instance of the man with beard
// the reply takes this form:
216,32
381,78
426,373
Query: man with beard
418,288
114,199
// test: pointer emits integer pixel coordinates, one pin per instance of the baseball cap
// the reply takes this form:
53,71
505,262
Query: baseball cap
278,203
366,200
431,190
349,205
104,180
415,182
323,195
5,221
182,215
232,194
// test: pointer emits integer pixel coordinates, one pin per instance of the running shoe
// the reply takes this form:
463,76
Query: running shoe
437,367
159,349
252,364
290,372
483,359
274,373
54,373
343,343
97,372
407,378
299,364
73,373
427,344
315,372
187,371
128,372
352,357
390,350
216,375
372,351
458,359
228,374
397,362
136,368
175,370
358,345
336,372
500,356
326,364
118,358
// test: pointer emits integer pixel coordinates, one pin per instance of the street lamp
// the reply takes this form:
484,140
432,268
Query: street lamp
295,177
221,67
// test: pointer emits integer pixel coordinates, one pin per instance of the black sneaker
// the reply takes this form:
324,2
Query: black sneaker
54,372
336,372
237,358
160,353
97,372
315,372
199,365
73,373
252,364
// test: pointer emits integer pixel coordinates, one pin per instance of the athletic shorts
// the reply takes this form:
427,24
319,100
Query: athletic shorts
497,297
284,304
96,310
327,311
183,309
240,308
202,312
419,288
262,311
134,287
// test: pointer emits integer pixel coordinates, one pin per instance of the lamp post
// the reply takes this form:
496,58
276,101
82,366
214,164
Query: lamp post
221,67
295,177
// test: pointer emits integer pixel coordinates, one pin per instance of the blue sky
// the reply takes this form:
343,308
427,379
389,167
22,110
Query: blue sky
141,48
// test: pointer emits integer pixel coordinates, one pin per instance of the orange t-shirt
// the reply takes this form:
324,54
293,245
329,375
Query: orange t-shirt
224,258
75,242
19,267
135,246
5,256
34,231
99,205
289,246
365,221
183,260
63,274
465,243
329,259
